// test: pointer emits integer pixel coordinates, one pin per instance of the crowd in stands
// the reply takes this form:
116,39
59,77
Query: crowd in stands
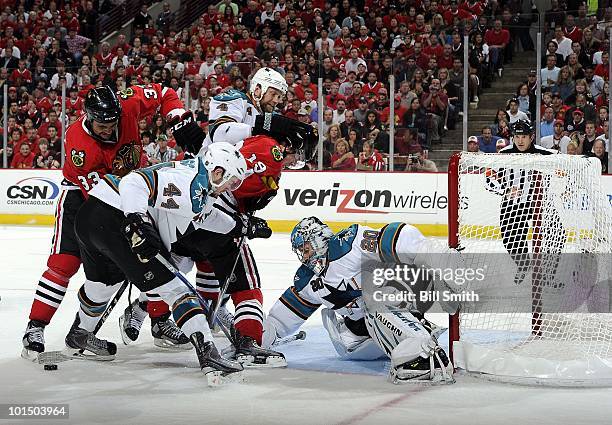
574,115
356,47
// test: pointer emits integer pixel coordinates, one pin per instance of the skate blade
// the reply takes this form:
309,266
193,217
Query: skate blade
169,346
422,379
217,378
79,354
254,362
124,337
30,355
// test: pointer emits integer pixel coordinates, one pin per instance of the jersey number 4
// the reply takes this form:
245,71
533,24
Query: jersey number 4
170,191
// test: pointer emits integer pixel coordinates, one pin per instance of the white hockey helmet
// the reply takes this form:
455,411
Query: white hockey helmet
266,78
317,234
229,158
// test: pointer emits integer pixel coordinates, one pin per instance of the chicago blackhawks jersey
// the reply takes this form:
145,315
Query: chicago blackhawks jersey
88,160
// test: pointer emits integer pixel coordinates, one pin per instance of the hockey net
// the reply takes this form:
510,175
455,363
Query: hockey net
540,227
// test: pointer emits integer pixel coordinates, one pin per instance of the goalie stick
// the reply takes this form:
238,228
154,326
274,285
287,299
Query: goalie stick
54,357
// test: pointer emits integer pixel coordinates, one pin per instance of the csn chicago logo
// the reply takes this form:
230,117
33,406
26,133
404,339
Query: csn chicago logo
33,191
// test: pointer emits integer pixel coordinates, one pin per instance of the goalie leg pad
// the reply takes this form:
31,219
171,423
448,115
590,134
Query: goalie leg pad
348,345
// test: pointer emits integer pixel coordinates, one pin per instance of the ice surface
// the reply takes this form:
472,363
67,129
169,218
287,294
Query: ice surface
146,385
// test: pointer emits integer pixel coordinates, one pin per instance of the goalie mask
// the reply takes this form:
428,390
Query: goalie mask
309,240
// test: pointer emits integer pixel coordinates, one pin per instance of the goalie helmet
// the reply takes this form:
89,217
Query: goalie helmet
229,158
317,234
266,78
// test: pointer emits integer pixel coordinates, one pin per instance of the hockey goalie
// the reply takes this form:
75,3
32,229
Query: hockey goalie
332,275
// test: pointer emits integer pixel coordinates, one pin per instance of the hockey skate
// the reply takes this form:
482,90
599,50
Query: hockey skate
33,340
83,344
251,355
166,334
217,369
436,369
131,321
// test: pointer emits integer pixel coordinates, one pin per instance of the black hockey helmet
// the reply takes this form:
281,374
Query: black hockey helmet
522,127
102,105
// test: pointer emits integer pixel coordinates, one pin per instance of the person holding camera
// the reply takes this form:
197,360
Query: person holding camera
435,103
419,163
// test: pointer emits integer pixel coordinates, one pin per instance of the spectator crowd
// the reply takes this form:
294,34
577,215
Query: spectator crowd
574,76
367,53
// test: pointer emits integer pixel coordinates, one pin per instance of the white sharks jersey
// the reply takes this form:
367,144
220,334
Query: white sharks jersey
175,194
231,118
339,287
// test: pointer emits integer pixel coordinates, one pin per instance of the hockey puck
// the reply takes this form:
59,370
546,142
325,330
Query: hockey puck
50,367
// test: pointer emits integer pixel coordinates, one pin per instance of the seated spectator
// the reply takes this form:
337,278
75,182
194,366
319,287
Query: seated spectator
406,142
370,159
361,112
550,74
576,121
160,152
332,135
558,140
514,113
501,143
594,82
527,101
487,142
350,123
24,158
420,163
565,84
343,158
9,154
355,141
582,88
572,148
590,136
328,120
46,158
599,152
374,131
415,117
547,123
472,144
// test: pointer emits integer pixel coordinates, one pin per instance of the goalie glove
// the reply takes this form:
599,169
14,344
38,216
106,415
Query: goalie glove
252,227
281,128
142,236
187,133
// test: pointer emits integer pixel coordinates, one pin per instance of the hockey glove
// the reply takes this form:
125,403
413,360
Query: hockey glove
257,203
282,128
142,236
252,228
187,133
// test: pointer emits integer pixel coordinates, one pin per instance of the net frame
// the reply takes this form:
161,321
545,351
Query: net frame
524,360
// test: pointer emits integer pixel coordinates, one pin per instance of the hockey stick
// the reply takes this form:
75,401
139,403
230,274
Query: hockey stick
286,340
54,357
223,289
202,301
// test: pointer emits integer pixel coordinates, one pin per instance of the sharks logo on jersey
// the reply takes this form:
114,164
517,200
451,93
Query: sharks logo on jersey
199,189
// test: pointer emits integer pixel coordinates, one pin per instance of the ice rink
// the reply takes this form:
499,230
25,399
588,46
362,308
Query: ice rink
146,385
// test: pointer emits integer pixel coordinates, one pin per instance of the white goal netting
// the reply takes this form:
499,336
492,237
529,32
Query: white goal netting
541,229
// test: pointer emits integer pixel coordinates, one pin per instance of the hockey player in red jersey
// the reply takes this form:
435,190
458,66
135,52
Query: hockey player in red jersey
216,254
105,139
